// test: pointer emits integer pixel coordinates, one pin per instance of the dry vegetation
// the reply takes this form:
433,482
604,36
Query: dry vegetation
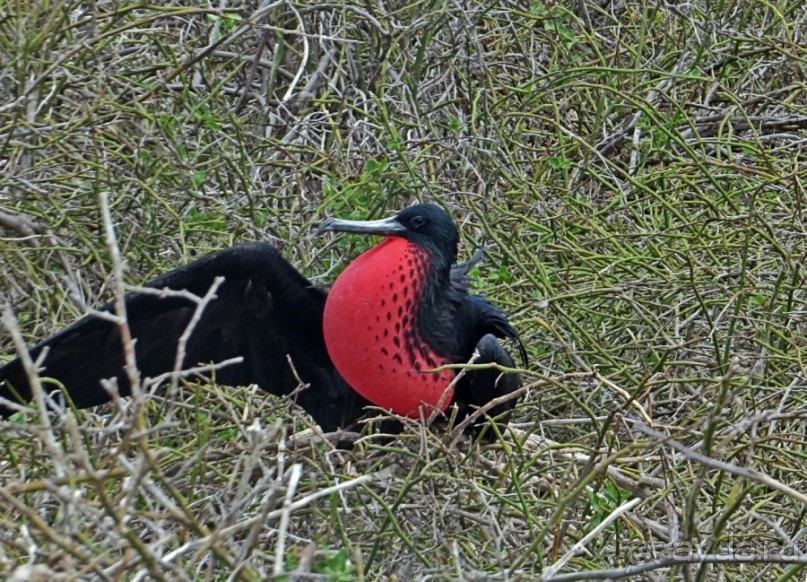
637,172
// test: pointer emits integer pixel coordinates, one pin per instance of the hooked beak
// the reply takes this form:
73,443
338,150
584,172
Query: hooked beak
383,227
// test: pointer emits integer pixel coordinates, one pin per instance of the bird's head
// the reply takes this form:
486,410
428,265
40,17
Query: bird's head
426,225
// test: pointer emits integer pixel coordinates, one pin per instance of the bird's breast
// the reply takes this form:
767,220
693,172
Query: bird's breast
371,332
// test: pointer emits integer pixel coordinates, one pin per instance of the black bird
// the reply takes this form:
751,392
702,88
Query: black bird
396,312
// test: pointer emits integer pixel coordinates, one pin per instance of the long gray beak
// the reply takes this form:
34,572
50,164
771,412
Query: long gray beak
383,227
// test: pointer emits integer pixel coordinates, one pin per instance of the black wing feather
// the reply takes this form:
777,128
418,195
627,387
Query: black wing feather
476,317
264,311
478,324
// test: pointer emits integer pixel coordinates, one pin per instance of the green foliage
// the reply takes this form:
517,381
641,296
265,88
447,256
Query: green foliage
332,565
635,171
602,503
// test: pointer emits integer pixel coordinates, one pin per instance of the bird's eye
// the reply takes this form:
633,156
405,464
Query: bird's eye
417,222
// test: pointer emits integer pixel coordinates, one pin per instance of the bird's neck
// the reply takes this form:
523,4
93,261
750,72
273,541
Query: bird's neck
403,264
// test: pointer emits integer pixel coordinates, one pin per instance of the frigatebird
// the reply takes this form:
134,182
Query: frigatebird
395,314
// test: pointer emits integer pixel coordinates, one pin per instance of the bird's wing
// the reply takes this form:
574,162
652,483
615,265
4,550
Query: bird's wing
478,325
460,278
485,385
476,317
263,311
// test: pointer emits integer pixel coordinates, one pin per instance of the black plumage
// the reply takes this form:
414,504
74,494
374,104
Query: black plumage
267,313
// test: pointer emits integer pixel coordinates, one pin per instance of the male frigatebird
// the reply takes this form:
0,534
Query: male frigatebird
396,312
